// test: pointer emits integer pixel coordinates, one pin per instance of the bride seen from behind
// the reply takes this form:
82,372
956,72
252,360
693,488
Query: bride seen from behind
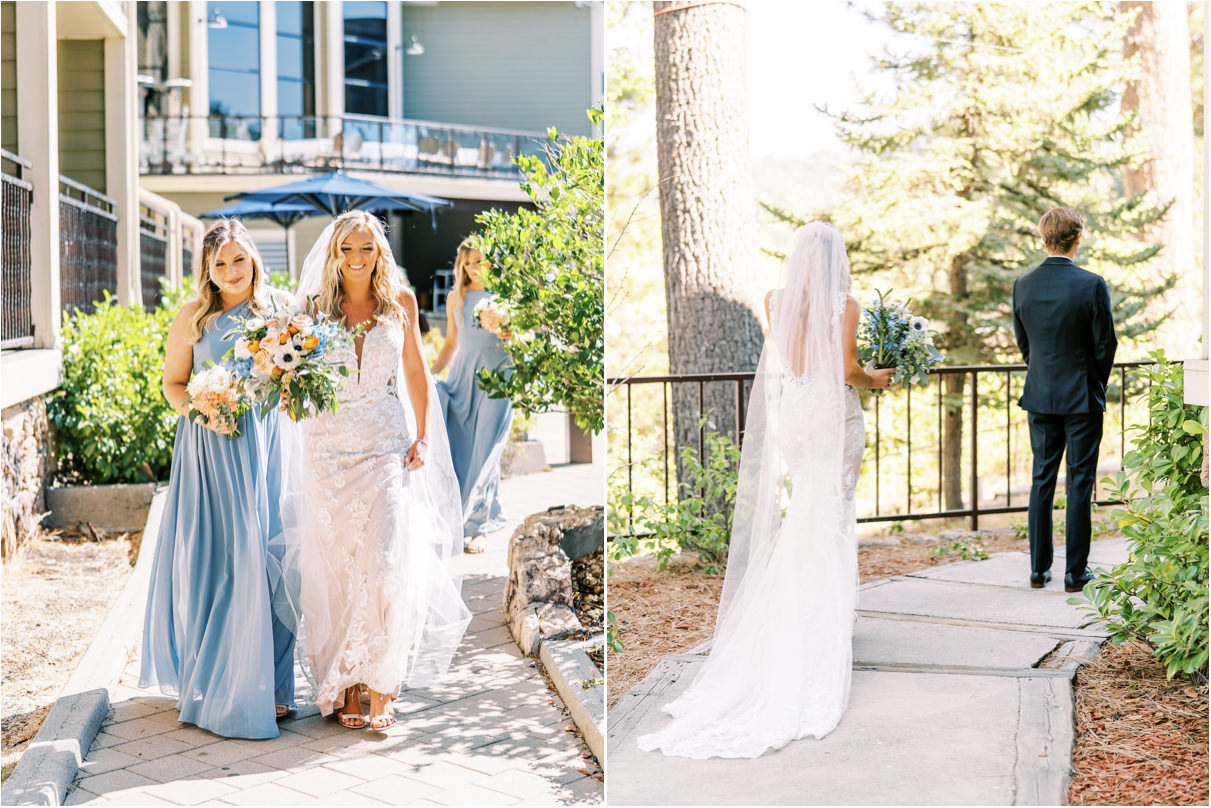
376,513
780,659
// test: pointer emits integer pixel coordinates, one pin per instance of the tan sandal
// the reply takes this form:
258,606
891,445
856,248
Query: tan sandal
383,716
473,545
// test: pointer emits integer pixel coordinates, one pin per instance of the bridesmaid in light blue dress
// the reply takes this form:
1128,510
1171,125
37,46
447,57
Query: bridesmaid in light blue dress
478,426
211,636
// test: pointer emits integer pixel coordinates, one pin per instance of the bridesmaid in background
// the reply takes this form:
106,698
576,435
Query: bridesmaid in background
211,636
478,426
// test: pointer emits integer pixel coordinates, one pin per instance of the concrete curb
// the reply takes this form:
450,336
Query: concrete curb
570,668
50,764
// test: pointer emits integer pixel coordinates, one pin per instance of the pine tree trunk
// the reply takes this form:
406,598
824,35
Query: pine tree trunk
963,346
706,206
1161,95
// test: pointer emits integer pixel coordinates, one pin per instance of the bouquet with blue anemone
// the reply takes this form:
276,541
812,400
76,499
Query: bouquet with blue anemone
890,336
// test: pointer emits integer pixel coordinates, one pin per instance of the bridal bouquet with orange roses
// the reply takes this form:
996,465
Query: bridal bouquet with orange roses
297,350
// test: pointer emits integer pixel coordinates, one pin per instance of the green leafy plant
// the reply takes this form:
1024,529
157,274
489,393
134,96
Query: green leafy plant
112,422
548,265
1021,529
700,521
1159,596
615,645
967,549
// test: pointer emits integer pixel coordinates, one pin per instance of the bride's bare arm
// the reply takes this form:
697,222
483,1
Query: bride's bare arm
415,375
855,374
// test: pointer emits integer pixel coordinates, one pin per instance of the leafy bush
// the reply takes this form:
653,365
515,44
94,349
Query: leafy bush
1159,596
112,423
549,265
700,522
967,549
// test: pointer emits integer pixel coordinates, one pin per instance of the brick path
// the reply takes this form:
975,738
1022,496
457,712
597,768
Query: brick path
491,732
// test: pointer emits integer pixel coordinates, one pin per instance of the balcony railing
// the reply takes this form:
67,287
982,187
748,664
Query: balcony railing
226,144
902,473
16,292
88,246
153,254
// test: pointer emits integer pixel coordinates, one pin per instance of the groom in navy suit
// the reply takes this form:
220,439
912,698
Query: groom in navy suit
1064,328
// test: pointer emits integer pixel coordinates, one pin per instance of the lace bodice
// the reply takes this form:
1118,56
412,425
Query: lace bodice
382,349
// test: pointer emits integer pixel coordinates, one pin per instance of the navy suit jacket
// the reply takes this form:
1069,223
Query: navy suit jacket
1065,330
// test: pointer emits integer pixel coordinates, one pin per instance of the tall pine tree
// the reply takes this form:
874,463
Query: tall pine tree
988,116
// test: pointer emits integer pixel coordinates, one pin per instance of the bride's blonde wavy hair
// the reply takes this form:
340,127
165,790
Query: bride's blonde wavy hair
220,234
385,286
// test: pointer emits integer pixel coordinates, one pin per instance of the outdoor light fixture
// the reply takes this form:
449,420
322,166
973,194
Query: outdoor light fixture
414,47
216,20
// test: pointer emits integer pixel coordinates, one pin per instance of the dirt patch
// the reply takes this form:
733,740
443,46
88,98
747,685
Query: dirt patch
56,593
1141,739
588,590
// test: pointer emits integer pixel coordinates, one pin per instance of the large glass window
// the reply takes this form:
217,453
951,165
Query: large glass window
365,57
153,53
234,51
296,68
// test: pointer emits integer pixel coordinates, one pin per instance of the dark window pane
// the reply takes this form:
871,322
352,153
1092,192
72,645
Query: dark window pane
366,62
290,57
233,93
235,48
366,20
247,12
365,100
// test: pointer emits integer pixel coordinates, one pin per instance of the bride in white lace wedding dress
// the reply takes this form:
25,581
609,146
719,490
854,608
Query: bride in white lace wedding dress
779,664
378,514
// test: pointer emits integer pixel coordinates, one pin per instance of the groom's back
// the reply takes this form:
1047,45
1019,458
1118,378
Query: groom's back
1057,311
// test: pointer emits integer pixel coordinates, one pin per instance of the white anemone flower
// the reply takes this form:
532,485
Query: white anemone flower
918,324
287,357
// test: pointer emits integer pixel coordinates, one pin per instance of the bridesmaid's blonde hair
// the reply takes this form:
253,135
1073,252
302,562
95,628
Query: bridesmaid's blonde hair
220,234
462,278
385,286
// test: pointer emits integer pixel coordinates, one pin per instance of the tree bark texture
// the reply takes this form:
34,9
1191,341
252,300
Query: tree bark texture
1160,37
706,207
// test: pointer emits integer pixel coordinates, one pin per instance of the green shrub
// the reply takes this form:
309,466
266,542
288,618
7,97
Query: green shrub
700,522
112,423
1159,596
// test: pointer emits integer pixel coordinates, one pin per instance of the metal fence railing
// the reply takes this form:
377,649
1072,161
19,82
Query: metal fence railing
223,144
88,239
16,292
153,254
902,473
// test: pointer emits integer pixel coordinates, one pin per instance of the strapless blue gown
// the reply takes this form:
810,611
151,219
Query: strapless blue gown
211,636
478,426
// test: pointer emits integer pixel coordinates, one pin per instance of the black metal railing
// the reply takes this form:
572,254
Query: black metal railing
16,290
153,254
88,246
648,451
224,144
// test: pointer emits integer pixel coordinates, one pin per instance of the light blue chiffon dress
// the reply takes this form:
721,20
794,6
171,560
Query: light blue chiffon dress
211,635
478,426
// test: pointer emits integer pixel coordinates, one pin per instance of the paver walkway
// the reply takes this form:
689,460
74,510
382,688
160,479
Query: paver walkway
490,733
952,702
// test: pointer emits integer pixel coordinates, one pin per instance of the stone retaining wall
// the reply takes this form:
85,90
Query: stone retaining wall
27,466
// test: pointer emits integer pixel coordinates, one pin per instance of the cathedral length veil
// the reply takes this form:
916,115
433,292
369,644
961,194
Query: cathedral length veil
779,666
434,616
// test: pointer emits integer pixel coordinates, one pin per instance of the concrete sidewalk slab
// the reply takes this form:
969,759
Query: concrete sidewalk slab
906,739
490,732
961,695
1013,569
882,642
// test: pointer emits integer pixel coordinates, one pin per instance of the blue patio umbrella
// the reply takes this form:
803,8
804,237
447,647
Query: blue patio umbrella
284,213
336,192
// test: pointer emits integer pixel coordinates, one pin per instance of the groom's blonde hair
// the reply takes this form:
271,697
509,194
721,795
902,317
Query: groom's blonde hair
1060,228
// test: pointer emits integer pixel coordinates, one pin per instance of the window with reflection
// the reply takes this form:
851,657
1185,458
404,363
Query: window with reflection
234,51
365,57
296,68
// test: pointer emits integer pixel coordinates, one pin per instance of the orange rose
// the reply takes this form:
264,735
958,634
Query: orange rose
283,337
254,346
309,343
276,373
291,329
